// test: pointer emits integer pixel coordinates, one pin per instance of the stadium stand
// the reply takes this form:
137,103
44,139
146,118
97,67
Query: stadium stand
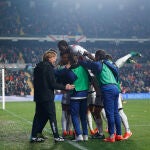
29,18
36,19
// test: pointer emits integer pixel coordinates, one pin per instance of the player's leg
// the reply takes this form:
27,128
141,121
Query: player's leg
74,111
121,61
110,96
38,124
70,130
124,118
83,118
99,122
69,126
64,120
104,118
97,118
49,108
64,116
125,122
90,111
90,119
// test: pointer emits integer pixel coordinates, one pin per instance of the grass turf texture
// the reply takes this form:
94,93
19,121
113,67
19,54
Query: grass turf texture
16,122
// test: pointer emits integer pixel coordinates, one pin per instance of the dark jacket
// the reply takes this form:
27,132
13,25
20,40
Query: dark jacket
65,76
45,82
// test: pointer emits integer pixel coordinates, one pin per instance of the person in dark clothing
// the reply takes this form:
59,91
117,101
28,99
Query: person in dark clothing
44,85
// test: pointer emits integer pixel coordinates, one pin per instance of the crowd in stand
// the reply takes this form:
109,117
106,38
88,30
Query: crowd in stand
42,18
16,83
32,53
116,20
134,77
8,55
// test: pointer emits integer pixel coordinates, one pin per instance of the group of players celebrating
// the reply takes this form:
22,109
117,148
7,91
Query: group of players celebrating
97,93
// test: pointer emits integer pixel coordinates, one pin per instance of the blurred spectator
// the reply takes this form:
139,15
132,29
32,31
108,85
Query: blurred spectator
135,78
125,20
16,83
41,18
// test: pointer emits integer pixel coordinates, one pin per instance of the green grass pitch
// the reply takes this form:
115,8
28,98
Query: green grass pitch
16,122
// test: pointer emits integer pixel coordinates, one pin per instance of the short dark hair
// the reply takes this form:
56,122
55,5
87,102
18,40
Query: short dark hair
108,56
71,57
62,43
100,54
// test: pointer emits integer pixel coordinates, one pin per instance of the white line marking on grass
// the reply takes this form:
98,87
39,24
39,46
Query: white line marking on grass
13,114
77,145
140,125
47,130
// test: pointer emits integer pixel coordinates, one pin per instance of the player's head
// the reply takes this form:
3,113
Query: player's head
100,55
109,57
64,58
67,57
50,55
62,45
73,58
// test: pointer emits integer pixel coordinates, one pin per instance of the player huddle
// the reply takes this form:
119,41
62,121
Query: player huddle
100,95
96,93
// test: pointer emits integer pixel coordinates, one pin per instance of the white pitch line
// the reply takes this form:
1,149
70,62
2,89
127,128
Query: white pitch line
13,114
29,122
77,145
140,125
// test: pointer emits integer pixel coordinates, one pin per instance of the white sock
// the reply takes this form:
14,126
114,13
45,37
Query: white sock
121,61
99,125
63,121
124,120
69,123
89,120
104,117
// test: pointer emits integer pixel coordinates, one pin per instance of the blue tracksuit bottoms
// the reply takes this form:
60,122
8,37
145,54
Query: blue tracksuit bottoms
110,94
78,110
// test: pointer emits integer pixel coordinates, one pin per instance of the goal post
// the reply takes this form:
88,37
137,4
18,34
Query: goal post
15,83
3,88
